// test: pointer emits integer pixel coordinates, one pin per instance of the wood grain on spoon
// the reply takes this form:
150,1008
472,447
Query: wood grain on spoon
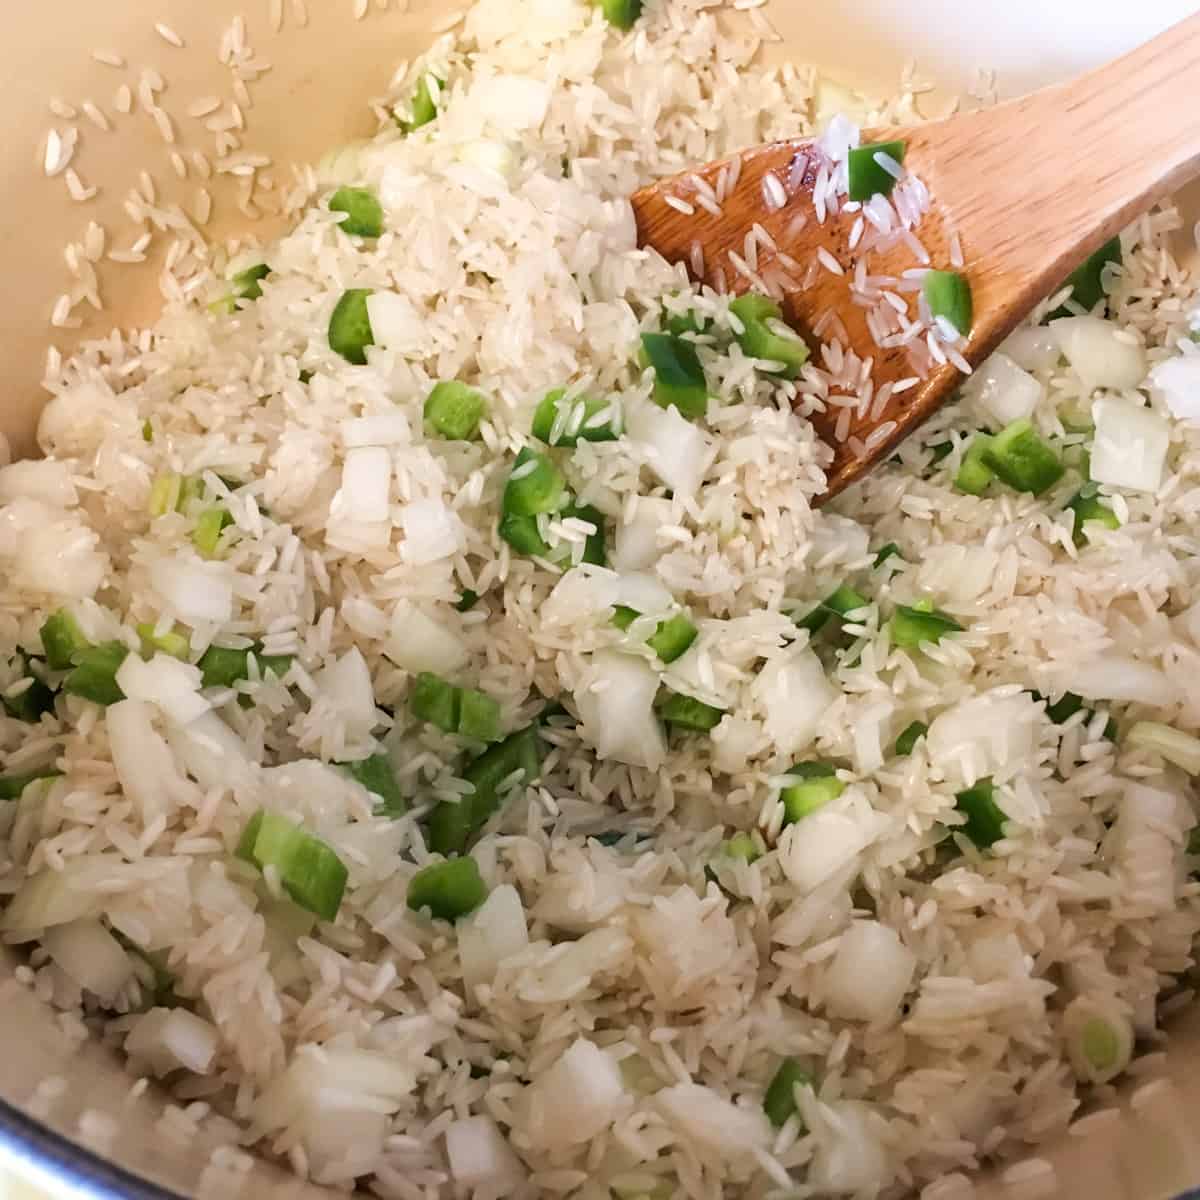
1031,187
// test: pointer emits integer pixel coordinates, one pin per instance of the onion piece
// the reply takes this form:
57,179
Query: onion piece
712,1121
212,753
346,683
1130,446
829,840
577,1097
396,323
480,1156
1099,1036
196,592
635,544
1004,390
166,1039
364,496
1118,677
1098,354
141,757
983,734
381,429
432,531
644,593
615,701
91,956
38,479
419,643
1033,348
493,933
164,681
849,1159
869,974
1176,384
793,694
678,451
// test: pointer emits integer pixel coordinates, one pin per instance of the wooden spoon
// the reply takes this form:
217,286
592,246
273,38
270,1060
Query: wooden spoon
1030,187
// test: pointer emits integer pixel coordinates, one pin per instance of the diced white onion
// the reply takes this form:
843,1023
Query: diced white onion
212,753
38,479
419,643
1098,354
395,322
957,574
513,103
1176,383
712,1121
644,593
615,701
734,741
493,933
1004,390
480,1156
1182,749
432,531
982,734
490,155
793,693
342,164
172,685
166,1039
635,545
849,1159
91,956
838,540
869,726
141,757
1118,677
56,897
53,551
365,494
195,592
1130,446
678,451
829,840
576,1098
1033,348
346,683
583,593
869,974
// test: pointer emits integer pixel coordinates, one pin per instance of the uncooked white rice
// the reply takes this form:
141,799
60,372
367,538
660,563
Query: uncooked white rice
660,981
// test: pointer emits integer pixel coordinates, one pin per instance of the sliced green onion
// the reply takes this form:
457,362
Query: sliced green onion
570,431
621,13
595,548
455,410
974,474
948,295
759,340
479,716
11,786
535,486
842,600
174,644
449,890
147,431
424,107
671,640
685,712
378,777
1087,280
1176,747
62,640
452,825
207,534
780,1101
866,177
466,601
222,667
1087,505
30,704
908,739
364,213
816,785
678,374
309,870
920,623
522,534
985,818
891,550
164,495
1100,1043
1022,460
350,326
94,676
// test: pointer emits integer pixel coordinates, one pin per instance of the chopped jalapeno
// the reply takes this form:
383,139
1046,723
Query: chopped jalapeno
350,326
908,739
948,295
455,410
309,870
378,777
974,474
866,176
780,1101
449,890
1088,505
985,818
816,785
62,640
94,676
912,626
678,374
535,486
1022,460
223,667
759,340
364,213
561,422
685,712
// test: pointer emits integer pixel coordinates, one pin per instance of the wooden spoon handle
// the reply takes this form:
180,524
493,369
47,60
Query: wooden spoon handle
1065,168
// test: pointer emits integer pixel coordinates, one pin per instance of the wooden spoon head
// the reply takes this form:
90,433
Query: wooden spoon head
883,391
